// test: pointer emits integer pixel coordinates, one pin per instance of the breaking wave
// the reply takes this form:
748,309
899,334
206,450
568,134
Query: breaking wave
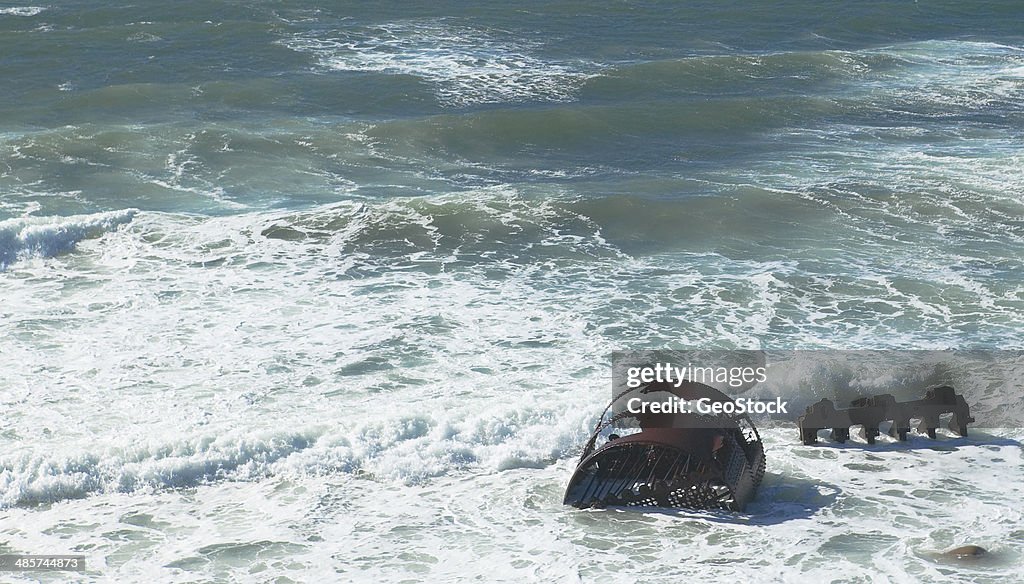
404,448
50,236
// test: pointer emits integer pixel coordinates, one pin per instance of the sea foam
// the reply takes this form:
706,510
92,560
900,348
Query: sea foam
22,11
466,65
50,236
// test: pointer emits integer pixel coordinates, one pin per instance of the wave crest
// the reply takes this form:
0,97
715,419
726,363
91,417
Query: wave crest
50,236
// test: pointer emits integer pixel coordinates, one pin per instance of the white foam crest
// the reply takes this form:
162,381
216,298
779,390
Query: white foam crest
466,66
31,477
49,236
22,10
386,442
412,448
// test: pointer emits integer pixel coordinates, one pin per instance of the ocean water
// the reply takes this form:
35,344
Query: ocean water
298,292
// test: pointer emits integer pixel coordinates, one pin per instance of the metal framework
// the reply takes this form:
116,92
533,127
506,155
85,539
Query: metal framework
679,460
870,412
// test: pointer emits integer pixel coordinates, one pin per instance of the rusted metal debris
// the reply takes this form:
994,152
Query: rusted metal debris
870,412
677,460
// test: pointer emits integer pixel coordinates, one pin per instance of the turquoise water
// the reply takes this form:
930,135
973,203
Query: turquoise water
292,290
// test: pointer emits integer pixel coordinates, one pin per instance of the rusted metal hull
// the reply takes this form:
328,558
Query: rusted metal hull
697,462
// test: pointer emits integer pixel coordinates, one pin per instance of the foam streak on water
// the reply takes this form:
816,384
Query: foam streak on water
466,66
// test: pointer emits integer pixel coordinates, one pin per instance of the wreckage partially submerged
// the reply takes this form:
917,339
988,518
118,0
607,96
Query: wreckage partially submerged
676,460
870,412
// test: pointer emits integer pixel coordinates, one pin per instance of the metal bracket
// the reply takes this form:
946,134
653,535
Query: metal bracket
870,412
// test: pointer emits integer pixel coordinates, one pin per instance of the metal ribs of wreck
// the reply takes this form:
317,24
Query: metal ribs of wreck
679,460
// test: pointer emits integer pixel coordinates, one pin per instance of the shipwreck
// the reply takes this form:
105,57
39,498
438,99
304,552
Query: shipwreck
673,460
870,412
